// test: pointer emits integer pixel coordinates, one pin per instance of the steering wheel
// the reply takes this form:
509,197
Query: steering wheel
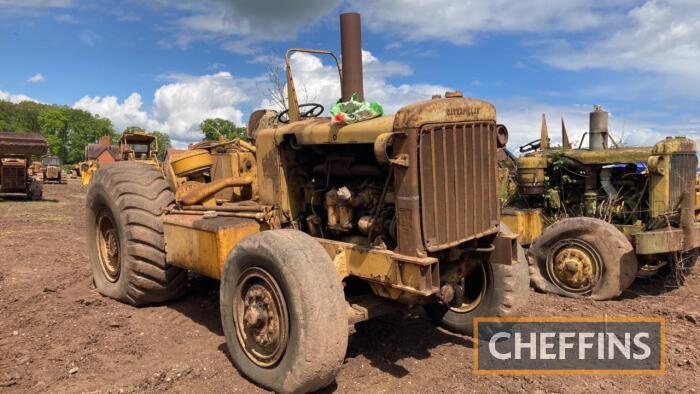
530,146
313,112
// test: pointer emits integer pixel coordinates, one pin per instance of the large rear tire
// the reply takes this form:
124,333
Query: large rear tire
125,235
283,311
582,257
505,292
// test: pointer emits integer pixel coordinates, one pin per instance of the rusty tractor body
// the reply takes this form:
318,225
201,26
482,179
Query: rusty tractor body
139,146
643,198
315,227
16,151
51,168
35,168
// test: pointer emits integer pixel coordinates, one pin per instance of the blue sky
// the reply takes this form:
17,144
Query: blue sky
167,65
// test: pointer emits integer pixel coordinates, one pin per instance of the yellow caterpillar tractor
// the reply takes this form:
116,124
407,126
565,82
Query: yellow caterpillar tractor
595,218
86,169
138,145
317,226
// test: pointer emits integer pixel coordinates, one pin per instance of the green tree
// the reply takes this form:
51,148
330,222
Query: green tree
163,143
67,130
20,117
85,129
54,126
217,127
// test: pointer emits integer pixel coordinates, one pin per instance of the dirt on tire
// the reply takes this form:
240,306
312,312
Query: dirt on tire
58,334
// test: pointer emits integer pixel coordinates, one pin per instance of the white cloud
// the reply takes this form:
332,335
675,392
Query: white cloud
36,78
318,82
124,114
658,36
460,22
181,104
15,98
178,107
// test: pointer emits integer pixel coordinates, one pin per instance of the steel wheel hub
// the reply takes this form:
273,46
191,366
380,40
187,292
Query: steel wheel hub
260,313
108,247
469,296
574,266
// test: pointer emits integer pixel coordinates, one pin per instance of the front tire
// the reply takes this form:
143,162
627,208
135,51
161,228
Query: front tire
505,292
125,235
582,257
283,312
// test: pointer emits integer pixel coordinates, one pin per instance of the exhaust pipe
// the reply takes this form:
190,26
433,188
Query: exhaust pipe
351,46
598,129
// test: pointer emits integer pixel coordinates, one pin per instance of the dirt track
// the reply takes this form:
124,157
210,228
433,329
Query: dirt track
57,334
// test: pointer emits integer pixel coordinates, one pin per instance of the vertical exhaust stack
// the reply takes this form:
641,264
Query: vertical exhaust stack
598,129
351,46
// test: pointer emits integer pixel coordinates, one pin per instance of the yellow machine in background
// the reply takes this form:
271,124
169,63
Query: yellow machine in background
596,217
139,146
35,168
87,168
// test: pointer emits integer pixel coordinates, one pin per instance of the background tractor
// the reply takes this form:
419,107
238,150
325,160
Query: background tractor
315,226
596,217
51,168
138,145
16,151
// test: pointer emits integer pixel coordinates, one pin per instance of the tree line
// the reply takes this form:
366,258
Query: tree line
69,130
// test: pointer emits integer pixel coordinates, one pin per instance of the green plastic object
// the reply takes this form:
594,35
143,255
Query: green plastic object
353,111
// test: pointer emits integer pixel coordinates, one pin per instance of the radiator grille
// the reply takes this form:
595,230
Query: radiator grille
13,179
458,183
683,168
52,172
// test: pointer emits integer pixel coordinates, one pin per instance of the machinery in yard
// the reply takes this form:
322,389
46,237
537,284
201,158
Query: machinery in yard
51,168
16,151
138,145
595,218
35,168
86,169
316,226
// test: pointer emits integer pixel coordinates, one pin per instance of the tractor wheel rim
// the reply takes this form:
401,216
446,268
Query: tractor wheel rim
474,290
261,318
108,247
574,266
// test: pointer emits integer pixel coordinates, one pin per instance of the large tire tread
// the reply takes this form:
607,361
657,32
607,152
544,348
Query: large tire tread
136,194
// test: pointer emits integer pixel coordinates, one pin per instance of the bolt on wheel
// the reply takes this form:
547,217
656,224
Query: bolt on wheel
262,322
108,246
574,266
